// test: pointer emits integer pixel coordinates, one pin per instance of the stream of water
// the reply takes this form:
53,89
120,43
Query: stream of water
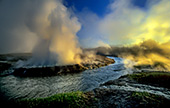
14,87
17,87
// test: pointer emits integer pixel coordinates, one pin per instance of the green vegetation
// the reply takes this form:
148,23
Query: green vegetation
154,78
149,100
143,66
156,64
143,96
159,64
63,100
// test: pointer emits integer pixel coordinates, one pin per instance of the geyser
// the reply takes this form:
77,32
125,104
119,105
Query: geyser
45,27
56,30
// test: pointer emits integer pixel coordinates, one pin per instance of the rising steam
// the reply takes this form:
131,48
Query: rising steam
45,27
56,30
149,52
48,29
144,33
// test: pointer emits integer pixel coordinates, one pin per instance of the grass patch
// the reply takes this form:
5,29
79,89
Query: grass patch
145,96
143,66
156,64
154,78
149,100
159,64
63,100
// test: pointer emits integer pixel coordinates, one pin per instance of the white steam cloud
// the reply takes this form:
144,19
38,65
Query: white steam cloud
45,27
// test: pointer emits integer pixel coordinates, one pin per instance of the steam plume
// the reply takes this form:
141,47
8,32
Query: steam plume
149,52
56,30
50,23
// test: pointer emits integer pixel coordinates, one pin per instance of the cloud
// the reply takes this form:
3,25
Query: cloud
138,34
144,33
102,44
88,35
126,23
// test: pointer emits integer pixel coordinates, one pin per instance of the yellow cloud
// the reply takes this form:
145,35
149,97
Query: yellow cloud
129,24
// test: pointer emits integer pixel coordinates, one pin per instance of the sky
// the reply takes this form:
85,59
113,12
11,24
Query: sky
100,7
97,6
90,13
89,23
121,22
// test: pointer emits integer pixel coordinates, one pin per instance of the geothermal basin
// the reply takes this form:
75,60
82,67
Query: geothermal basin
14,87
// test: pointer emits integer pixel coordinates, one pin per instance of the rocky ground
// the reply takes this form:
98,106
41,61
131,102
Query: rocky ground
97,62
8,61
139,90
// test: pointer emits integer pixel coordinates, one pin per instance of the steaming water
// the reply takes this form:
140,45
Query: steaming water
15,87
